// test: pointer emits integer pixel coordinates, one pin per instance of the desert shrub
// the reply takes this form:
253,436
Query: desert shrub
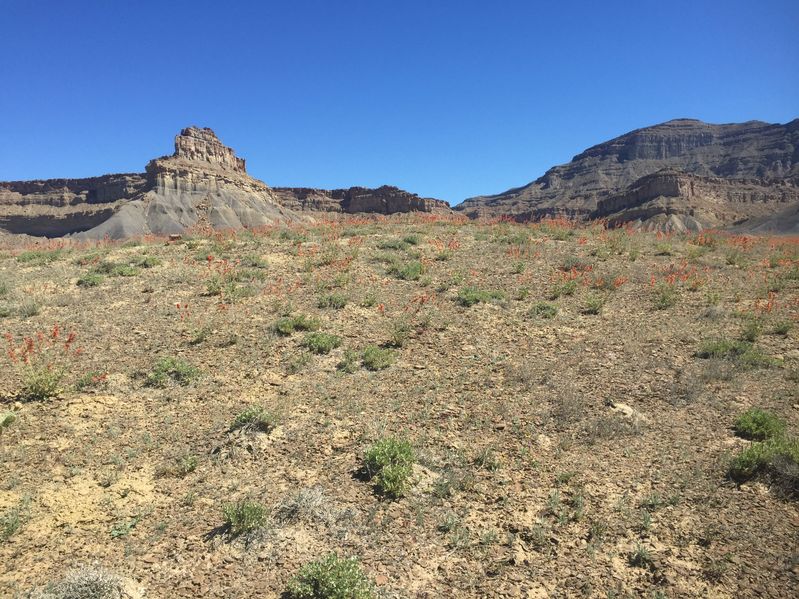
776,456
331,578
407,272
86,582
759,425
469,296
333,300
5,288
575,263
39,257
782,327
29,308
412,239
593,304
304,505
91,279
563,288
124,270
41,382
640,557
376,358
179,467
391,244
742,352
349,362
751,330
174,370
321,343
664,296
254,418
389,463
147,262
13,519
7,419
544,310
244,516
289,324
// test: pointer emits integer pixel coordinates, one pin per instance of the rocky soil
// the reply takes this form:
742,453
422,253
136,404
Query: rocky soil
569,439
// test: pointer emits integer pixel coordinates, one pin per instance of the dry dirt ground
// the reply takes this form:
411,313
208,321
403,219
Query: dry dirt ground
584,454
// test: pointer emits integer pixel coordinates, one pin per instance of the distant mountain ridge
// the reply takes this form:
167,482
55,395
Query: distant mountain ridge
680,175
202,184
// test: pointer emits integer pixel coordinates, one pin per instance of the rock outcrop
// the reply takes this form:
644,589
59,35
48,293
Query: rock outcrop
683,174
381,200
202,184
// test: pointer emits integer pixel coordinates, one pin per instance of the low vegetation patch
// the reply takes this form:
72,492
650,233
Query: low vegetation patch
254,418
290,324
742,352
389,463
321,343
469,296
331,578
377,358
171,370
244,516
759,425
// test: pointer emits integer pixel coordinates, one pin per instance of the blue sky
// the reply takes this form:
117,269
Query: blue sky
448,99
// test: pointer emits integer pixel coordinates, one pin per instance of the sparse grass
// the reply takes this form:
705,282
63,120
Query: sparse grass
254,418
377,358
13,519
331,578
244,517
321,343
389,463
40,257
171,370
29,308
564,288
640,557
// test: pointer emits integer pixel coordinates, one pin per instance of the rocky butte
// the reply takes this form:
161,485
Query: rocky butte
682,175
202,184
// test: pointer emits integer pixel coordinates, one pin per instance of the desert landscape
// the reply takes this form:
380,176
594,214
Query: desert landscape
417,300
563,410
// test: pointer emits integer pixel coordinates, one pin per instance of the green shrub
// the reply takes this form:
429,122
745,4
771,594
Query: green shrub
407,272
752,330
563,288
147,262
39,257
41,382
254,418
758,425
778,455
7,419
244,516
742,352
321,343
391,244
171,369
289,324
544,310
376,358
13,518
411,239
331,578
349,363
333,300
782,327
469,296
5,288
593,304
389,463
665,296
91,279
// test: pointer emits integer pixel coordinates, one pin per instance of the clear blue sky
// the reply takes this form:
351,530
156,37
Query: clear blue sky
444,98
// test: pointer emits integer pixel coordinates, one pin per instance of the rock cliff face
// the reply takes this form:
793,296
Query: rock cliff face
714,175
203,184
382,200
